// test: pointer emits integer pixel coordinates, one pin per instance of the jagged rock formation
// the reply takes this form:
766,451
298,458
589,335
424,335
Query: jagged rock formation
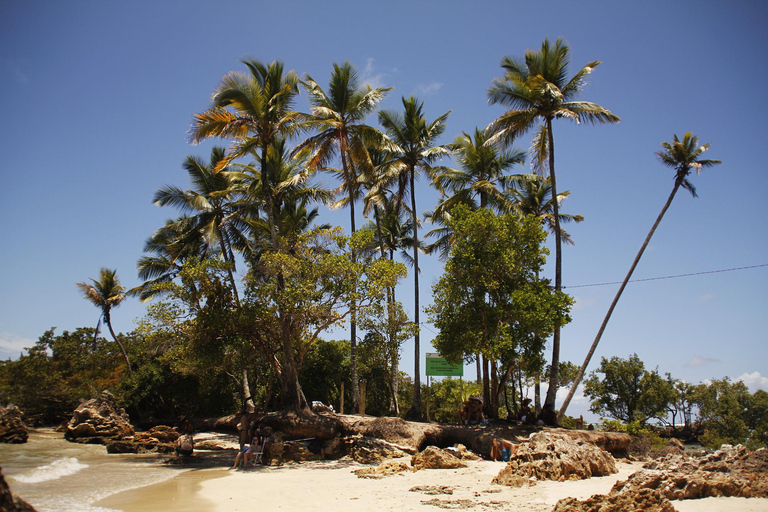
436,458
98,419
160,439
731,471
641,500
10,502
12,428
553,456
388,468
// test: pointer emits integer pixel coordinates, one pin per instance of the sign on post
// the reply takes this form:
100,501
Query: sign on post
438,366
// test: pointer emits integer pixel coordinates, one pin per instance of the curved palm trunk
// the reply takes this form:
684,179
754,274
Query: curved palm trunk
108,321
394,406
555,366
591,352
415,412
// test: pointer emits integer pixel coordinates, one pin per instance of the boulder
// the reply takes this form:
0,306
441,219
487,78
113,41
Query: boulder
553,456
388,468
10,502
640,500
370,450
436,458
98,419
12,428
731,471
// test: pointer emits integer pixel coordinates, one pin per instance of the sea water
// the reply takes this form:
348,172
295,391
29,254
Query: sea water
54,475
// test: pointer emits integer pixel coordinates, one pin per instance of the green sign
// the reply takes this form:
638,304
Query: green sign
438,366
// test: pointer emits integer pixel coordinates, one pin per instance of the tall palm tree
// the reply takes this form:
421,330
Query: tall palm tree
414,149
253,110
105,294
534,197
339,117
213,205
682,156
169,247
538,88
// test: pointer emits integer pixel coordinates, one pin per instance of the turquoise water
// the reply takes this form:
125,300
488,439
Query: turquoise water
55,475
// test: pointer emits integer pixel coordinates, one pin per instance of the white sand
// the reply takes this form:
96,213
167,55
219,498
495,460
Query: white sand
332,486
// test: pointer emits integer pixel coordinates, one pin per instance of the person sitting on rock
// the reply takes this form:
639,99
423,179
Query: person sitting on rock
502,450
185,445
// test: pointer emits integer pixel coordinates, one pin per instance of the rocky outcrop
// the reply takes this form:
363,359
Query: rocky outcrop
553,456
160,439
98,419
370,450
436,458
641,500
10,502
731,471
12,428
388,468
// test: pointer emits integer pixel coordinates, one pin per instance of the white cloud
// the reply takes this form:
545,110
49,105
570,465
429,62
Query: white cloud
754,381
697,361
707,296
16,72
581,303
12,345
372,76
427,89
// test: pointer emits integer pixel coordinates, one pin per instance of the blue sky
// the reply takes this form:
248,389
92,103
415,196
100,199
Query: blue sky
97,98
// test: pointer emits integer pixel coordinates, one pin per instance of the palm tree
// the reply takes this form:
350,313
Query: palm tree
682,156
339,117
170,246
414,149
534,197
538,88
253,110
105,294
212,203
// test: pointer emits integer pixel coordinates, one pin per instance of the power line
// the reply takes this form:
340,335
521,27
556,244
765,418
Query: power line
669,277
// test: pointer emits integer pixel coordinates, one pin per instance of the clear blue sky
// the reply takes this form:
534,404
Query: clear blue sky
97,98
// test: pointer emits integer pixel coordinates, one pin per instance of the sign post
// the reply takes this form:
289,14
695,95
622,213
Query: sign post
437,366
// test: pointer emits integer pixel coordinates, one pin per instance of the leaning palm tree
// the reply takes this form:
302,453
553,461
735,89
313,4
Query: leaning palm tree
338,116
538,88
105,294
682,156
414,149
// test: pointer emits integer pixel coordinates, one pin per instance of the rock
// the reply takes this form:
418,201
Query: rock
641,500
615,443
436,458
369,450
553,456
388,468
12,428
10,502
121,446
731,471
461,452
98,419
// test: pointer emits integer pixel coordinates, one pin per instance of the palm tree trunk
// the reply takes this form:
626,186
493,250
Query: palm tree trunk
416,408
555,365
108,321
591,352
353,306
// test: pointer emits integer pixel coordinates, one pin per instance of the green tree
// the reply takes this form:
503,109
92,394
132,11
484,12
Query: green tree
489,300
339,117
105,294
414,149
535,88
729,414
627,391
683,156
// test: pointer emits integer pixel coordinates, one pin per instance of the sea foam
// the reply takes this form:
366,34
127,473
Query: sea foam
56,469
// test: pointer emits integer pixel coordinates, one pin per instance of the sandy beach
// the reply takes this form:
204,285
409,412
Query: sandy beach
332,485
